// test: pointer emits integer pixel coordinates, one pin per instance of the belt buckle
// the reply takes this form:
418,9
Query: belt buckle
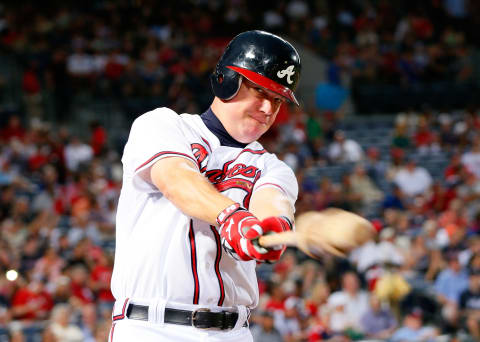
194,317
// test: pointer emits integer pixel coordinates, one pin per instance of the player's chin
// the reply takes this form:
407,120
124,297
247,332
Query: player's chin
253,133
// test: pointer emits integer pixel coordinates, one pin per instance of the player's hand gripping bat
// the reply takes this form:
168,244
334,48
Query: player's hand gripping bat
332,230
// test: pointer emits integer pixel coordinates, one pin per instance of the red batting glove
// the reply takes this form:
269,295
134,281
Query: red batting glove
234,221
274,224
240,230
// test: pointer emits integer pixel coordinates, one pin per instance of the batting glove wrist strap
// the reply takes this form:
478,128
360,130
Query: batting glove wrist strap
225,213
287,223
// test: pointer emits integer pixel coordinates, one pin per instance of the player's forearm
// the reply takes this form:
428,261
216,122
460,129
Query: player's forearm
180,182
269,201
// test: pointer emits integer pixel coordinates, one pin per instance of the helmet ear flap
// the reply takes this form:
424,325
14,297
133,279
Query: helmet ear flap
225,83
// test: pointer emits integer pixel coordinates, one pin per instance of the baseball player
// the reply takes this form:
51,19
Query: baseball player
198,191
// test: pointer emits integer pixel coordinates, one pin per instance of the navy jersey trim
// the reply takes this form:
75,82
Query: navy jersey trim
218,257
193,254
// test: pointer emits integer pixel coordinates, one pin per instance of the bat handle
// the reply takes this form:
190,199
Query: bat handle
275,239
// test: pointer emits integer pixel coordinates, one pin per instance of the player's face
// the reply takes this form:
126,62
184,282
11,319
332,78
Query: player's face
255,111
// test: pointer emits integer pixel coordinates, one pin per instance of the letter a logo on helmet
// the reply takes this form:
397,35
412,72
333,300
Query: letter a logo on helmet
261,57
289,72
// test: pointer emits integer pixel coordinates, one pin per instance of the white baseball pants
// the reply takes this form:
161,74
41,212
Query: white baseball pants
128,330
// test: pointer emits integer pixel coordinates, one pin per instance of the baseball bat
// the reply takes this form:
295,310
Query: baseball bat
334,231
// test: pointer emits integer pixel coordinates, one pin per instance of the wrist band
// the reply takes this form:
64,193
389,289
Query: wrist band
225,213
289,222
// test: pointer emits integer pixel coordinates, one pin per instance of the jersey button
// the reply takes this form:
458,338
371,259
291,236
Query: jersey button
207,265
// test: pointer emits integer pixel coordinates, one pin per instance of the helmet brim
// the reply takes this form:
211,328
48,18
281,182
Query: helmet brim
266,83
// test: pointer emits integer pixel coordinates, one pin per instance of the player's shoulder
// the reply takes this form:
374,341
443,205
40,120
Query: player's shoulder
162,114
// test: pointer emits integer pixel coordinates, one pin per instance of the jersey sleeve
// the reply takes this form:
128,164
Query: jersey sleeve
278,175
154,135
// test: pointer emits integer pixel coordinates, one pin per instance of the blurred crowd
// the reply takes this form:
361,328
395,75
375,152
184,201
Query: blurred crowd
147,54
57,227
420,278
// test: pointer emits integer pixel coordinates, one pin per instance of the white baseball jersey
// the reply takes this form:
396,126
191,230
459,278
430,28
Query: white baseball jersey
163,253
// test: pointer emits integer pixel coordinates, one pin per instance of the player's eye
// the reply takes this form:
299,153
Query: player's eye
260,91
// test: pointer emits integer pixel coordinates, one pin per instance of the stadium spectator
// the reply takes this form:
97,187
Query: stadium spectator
88,324
375,165
61,328
378,322
264,330
80,64
388,252
318,298
13,129
363,185
471,159
100,277
412,179
62,291
350,303
412,329
337,318
395,199
400,136
343,150
446,135
287,321
291,156
32,90
98,138
31,302
276,297
49,267
77,153
470,304
451,282
425,139
81,293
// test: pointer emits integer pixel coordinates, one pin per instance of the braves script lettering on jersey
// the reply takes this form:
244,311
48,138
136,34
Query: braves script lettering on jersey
164,255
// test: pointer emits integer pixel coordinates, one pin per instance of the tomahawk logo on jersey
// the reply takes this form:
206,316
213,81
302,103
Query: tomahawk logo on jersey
188,259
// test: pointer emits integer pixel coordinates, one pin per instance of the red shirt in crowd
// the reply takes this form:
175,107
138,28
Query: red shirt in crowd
103,274
13,129
30,82
423,137
274,304
99,140
41,303
82,292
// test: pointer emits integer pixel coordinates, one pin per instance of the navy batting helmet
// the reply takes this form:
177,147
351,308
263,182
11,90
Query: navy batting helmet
261,57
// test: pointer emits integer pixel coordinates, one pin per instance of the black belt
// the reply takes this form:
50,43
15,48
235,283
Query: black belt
201,318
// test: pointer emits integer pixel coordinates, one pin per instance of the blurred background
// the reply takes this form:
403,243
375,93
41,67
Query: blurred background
388,127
